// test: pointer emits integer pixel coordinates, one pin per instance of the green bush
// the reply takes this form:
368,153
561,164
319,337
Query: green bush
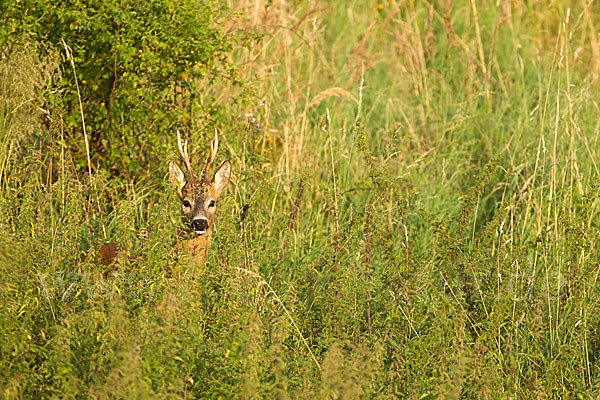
136,65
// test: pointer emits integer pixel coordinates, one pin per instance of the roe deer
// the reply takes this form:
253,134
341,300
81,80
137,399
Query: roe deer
199,204
198,199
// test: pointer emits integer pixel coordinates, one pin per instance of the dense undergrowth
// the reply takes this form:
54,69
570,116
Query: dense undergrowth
413,211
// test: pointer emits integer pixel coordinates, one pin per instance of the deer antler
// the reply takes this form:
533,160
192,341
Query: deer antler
183,154
214,145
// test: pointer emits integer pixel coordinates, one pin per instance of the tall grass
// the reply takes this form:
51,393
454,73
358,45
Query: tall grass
413,213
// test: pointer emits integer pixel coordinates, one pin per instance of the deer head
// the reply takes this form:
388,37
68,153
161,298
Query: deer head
199,195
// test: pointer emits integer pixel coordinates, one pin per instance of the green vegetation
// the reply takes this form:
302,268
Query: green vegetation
413,211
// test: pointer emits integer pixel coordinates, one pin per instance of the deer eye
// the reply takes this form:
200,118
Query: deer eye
186,204
211,204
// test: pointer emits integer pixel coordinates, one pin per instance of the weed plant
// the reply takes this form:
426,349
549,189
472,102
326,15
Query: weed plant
413,213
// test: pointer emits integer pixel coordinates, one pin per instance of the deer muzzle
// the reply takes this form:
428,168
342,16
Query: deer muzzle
199,226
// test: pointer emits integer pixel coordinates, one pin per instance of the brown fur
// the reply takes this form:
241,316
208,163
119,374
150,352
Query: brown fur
196,248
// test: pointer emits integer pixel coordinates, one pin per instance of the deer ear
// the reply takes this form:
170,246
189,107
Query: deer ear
222,177
176,177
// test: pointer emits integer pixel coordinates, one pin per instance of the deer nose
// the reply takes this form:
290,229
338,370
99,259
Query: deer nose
200,225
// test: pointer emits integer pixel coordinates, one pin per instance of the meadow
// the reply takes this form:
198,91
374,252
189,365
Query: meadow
412,213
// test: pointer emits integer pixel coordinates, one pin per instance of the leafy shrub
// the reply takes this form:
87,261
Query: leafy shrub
136,65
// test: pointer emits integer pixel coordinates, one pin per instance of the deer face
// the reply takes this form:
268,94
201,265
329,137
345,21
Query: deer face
199,196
